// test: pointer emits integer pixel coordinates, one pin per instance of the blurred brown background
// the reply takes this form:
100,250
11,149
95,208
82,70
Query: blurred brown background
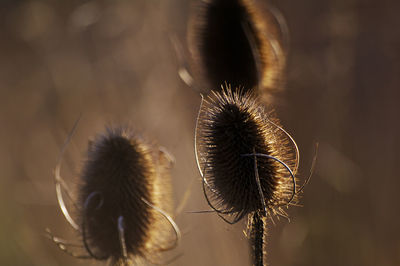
113,61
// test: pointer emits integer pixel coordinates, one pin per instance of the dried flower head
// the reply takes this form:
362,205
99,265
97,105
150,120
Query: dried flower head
244,155
245,160
123,194
238,41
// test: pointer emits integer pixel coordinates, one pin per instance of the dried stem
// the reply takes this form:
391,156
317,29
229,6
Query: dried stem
257,239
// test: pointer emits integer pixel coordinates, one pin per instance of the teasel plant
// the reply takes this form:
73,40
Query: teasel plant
241,42
247,161
123,201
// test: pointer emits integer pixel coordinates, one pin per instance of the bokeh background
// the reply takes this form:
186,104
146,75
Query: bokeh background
113,62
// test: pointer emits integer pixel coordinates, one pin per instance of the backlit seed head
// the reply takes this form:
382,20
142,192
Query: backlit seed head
120,173
239,42
232,127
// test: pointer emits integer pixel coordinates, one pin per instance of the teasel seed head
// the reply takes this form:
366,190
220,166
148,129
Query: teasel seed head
240,42
122,177
244,156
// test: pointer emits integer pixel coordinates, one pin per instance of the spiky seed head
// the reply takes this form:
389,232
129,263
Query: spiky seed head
230,125
236,41
119,172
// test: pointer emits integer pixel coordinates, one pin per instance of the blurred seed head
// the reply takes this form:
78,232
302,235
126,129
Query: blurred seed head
232,124
121,178
237,41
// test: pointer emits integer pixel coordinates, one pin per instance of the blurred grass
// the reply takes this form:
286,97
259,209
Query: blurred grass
113,61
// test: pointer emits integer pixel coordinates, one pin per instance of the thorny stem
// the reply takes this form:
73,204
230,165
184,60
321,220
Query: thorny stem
257,239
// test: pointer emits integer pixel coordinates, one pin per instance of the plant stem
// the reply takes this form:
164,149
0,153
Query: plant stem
257,239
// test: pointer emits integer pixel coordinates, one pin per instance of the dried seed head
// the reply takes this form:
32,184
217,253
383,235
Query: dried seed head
121,178
237,41
233,135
